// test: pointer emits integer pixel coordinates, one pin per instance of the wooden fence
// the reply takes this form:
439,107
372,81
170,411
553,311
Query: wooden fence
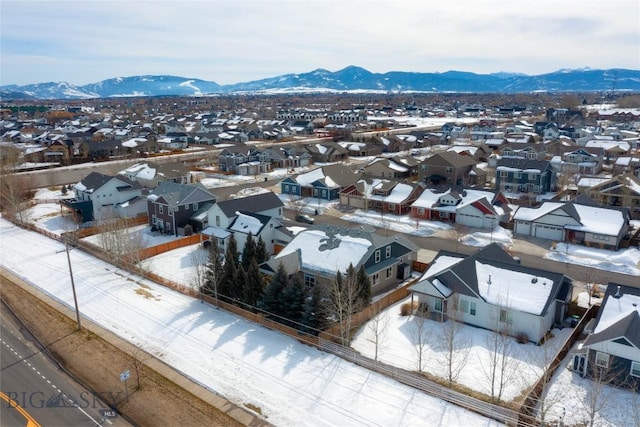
169,246
528,407
325,341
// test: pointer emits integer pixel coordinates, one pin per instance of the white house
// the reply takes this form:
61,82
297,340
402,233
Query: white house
223,215
612,350
99,197
492,290
578,221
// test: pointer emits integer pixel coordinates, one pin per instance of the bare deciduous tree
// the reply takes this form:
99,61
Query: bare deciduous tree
420,334
120,242
199,269
502,365
598,394
452,341
379,327
139,357
15,190
342,303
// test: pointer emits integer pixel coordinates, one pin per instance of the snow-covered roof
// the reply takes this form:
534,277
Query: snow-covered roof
327,253
399,194
616,308
513,289
598,220
530,214
246,224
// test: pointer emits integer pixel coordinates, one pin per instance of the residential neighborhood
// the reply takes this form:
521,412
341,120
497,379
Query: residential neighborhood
285,218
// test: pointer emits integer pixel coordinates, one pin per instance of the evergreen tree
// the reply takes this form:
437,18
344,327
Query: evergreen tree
315,314
254,286
248,252
271,299
228,286
292,300
364,287
241,279
262,254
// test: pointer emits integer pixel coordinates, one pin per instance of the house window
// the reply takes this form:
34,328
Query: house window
195,206
375,279
503,174
377,256
532,177
505,316
602,359
449,169
635,369
517,175
161,209
468,307
170,211
424,167
437,305
324,193
286,187
387,251
217,220
392,207
309,280
389,272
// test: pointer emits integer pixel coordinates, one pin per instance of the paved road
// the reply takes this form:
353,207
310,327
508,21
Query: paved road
530,252
34,382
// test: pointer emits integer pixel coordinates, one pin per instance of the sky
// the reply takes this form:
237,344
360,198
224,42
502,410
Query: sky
292,383
232,41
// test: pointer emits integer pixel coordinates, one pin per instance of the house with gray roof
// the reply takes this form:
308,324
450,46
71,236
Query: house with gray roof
97,197
222,220
177,209
322,250
611,352
492,290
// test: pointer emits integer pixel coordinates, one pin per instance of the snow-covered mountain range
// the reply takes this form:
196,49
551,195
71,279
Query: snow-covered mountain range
351,78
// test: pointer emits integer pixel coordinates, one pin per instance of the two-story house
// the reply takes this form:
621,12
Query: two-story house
514,175
450,168
244,160
324,183
618,191
265,205
179,209
99,197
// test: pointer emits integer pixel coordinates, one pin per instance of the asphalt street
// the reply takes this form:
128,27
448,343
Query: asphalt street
30,379
530,253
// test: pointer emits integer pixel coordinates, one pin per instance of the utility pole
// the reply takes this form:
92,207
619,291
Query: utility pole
73,285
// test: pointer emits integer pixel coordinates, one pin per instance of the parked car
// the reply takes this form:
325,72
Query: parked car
305,219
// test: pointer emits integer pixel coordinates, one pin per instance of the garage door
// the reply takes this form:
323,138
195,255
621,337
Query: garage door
548,232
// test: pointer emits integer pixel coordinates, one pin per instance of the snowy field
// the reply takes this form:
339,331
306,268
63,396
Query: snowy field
289,366
291,383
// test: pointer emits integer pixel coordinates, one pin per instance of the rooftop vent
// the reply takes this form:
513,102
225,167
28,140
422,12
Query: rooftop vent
489,280
617,294
534,280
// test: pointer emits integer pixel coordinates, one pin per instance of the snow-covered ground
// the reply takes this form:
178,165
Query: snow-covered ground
291,383
398,348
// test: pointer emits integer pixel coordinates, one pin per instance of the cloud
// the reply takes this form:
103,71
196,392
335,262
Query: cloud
237,40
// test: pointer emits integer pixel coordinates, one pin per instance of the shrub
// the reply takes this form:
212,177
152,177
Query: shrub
408,308
522,338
